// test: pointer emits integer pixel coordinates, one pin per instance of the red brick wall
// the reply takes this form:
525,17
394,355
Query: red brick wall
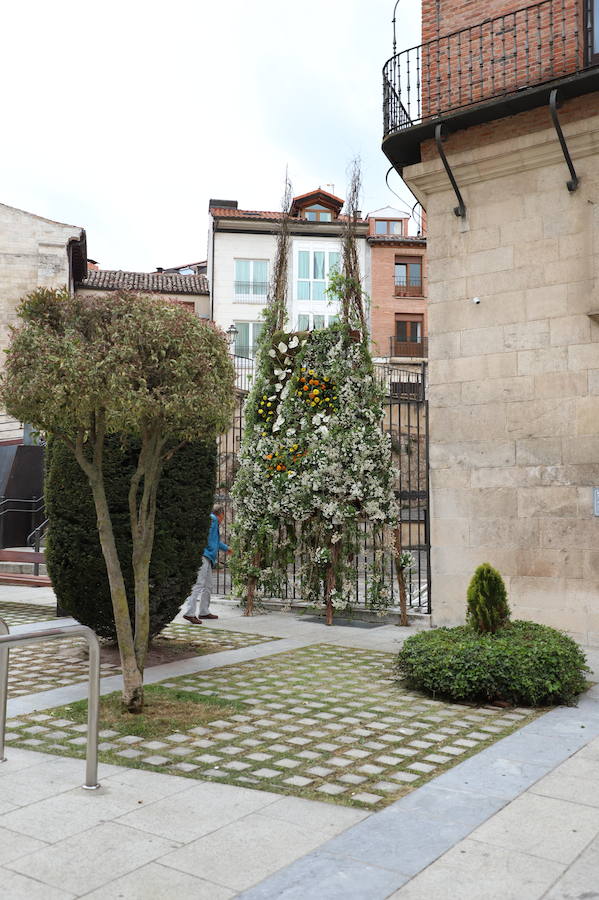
526,46
383,302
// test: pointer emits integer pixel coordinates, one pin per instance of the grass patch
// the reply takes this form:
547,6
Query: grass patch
166,710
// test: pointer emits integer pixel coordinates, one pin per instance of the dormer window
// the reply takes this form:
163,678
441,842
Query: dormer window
389,226
318,213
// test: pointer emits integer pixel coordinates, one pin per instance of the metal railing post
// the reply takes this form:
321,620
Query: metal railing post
3,688
93,702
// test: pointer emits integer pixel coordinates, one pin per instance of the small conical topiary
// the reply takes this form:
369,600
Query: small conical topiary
488,608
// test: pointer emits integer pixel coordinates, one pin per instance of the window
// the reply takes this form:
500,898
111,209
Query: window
306,322
408,277
387,226
251,279
247,338
408,339
593,31
313,270
318,213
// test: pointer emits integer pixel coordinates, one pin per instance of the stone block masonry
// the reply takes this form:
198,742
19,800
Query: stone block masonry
514,380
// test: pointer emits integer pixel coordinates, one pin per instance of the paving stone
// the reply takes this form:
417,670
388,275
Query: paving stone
298,781
350,778
403,776
208,758
78,742
156,760
357,754
182,751
154,745
199,730
224,736
299,741
375,745
266,773
35,742
421,767
259,757
329,748
105,746
203,743
308,754
339,761
437,758
287,763
477,736
405,752
370,769
237,766
230,751
453,751
421,745
384,786
129,754
130,739
464,742
320,771
332,789
366,797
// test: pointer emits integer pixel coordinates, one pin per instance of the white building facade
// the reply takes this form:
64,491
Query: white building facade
241,252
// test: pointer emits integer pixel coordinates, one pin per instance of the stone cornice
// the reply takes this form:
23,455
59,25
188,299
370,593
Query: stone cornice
498,159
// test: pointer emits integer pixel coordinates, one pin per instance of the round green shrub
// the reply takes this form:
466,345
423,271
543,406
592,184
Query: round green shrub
524,663
73,553
488,608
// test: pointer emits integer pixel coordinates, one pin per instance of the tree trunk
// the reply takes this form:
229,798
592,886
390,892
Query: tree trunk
330,583
132,674
403,601
251,588
142,514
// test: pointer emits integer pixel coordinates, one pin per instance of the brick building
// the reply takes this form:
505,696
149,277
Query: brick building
493,122
398,314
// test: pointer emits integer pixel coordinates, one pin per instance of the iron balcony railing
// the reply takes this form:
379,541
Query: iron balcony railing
408,286
414,349
506,54
253,291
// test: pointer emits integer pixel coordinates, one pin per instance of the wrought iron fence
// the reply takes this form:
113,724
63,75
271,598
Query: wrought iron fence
406,421
519,49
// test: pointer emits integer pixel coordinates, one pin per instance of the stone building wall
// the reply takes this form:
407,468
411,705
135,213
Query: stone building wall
33,253
514,379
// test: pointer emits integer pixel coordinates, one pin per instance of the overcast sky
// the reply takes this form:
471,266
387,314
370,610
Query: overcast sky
126,116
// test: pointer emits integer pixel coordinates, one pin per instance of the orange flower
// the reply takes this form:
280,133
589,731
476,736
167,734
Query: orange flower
306,388
268,456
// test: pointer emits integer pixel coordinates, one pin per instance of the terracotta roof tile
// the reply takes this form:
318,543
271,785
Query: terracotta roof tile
226,212
145,282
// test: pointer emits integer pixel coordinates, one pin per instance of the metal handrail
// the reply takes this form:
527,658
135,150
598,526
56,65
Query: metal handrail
33,539
93,702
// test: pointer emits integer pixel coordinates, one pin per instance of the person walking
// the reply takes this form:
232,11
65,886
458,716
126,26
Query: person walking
202,589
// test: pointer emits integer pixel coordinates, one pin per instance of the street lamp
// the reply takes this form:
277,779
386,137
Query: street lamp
393,20
231,333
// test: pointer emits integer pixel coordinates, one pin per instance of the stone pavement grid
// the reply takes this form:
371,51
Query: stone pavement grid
321,722
43,667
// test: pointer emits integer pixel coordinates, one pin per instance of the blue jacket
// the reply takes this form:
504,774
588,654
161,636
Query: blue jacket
214,542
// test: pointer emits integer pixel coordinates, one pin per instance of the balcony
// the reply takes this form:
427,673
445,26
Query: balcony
408,286
496,68
251,291
408,349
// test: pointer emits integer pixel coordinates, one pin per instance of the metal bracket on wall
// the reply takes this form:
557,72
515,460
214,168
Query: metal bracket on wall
553,106
460,209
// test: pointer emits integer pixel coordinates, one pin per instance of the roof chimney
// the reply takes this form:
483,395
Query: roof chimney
227,204
159,270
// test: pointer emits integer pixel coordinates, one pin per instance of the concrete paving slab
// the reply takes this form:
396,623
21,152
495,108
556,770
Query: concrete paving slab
581,879
14,886
473,871
542,826
90,859
191,814
346,879
157,882
254,847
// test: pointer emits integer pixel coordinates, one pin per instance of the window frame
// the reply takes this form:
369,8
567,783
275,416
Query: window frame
311,280
388,232
250,295
254,329
408,289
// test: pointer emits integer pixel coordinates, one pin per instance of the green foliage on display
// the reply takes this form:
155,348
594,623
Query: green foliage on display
488,609
73,553
524,663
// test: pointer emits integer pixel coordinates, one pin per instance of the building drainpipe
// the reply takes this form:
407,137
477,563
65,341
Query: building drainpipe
212,270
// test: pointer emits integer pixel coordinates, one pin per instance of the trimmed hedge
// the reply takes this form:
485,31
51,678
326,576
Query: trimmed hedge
73,553
524,663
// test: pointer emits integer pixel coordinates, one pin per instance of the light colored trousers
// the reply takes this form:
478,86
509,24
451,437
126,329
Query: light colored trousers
200,592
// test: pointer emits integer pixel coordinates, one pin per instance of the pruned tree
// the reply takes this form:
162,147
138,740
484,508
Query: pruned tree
80,369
